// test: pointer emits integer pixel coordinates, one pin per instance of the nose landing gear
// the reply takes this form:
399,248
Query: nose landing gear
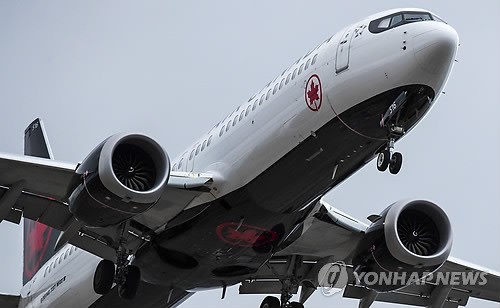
388,158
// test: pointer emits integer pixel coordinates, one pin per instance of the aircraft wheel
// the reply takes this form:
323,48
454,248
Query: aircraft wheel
396,163
383,160
129,288
104,276
270,302
296,305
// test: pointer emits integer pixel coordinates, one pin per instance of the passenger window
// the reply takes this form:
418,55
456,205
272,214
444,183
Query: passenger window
275,88
221,130
228,125
288,78
180,167
254,105
197,150
204,145
307,64
235,120
294,74
210,139
301,68
282,83
268,94
314,59
242,114
261,99
248,111
191,155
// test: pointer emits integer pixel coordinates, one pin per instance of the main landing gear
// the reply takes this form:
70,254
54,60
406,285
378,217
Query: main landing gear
388,158
274,302
127,278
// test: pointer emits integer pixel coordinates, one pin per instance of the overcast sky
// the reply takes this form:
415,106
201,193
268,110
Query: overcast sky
173,69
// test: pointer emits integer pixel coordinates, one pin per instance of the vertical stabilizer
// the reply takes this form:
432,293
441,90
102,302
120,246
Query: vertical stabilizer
39,239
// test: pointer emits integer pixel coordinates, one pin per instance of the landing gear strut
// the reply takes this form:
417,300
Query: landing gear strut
127,277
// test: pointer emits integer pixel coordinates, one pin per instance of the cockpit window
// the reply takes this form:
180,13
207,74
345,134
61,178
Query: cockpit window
434,17
384,23
398,19
417,17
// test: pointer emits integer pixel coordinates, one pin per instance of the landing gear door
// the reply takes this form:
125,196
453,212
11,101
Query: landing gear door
342,62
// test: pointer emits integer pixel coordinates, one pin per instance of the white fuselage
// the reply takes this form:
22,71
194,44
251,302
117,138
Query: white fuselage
258,133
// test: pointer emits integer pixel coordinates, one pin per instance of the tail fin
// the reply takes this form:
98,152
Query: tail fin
39,239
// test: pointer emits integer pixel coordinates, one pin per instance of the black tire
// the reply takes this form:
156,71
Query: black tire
104,276
296,305
396,163
270,302
129,288
383,160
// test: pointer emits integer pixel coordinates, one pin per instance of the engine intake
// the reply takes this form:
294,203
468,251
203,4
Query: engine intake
410,238
122,177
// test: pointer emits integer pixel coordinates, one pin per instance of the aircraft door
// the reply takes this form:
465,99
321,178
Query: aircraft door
342,61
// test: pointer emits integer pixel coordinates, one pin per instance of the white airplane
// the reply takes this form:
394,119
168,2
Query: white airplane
243,204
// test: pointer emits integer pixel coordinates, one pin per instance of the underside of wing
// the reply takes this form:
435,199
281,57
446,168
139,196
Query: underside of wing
9,301
126,178
451,286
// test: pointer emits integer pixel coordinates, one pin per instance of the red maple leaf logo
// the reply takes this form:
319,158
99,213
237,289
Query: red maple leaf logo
241,235
250,236
313,93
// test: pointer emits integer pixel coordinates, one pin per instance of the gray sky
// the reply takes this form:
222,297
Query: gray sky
174,69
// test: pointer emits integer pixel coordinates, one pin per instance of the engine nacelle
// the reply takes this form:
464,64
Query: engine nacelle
409,240
122,177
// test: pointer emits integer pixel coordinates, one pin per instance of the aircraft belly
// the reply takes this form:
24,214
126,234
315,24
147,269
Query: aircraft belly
222,242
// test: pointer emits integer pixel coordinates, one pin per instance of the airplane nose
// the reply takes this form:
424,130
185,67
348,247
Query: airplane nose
435,49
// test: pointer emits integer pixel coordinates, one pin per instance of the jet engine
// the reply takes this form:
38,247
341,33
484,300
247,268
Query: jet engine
407,241
122,177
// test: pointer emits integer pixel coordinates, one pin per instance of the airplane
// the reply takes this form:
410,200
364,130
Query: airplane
243,204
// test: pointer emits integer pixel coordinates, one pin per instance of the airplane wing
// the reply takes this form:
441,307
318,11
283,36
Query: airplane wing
9,301
36,188
432,294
